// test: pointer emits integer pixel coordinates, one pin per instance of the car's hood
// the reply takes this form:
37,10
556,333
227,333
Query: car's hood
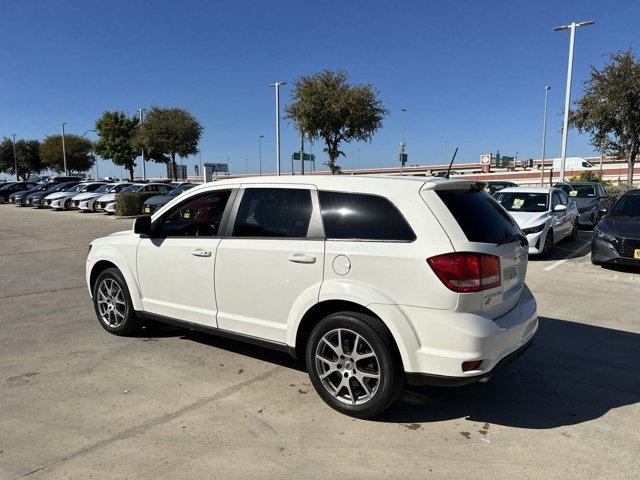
620,226
107,197
529,219
39,194
123,232
86,196
159,200
56,195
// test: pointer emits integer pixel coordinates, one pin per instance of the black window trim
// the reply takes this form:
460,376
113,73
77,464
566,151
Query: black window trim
316,227
156,224
365,240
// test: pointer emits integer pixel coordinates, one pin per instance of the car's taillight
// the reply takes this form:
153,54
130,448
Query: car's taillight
465,272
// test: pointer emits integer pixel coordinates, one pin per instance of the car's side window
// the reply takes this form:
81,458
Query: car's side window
274,212
197,217
355,216
555,201
563,198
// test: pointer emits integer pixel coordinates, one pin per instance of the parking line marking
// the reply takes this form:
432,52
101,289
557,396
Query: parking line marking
560,262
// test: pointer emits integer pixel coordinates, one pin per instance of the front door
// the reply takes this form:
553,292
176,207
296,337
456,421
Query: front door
176,266
271,260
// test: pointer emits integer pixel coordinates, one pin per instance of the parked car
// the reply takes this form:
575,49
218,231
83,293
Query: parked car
545,215
107,202
492,186
62,200
590,197
373,281
616,238
86,201
152,204
35,199
66,179
13,187
19,199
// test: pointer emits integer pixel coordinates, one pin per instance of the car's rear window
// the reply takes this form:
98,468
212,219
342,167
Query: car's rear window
355,216
479,215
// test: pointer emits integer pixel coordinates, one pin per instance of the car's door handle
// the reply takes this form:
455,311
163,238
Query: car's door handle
302,258
201,252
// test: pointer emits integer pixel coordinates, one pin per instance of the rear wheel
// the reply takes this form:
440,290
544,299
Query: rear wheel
548,243
574,232
353,364
112,302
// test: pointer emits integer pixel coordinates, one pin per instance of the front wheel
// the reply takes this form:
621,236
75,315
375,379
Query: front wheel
574,232
353,364
548,243
112,302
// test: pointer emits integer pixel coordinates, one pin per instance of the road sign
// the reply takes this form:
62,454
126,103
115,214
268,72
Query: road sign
403,158
307,157
218,167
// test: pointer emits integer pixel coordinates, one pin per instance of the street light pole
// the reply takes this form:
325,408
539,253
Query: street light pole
402,144
260,137
144,165
64,152
544,133
15,157
277,86
567,96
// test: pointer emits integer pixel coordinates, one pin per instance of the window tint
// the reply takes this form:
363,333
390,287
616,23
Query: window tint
273,212
198,217
362,217
94,187
479,215
555,200
563,198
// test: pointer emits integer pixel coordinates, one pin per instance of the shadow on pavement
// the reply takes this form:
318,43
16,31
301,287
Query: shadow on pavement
572,373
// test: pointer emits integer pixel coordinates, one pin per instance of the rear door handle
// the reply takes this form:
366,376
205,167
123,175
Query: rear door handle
201,252
302,258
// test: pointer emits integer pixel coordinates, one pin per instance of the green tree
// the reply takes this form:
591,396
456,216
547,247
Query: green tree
115,135
167,133
609,110
325,106
27,155
79,153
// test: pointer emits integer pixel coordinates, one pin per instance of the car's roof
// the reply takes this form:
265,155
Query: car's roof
635,191
527,189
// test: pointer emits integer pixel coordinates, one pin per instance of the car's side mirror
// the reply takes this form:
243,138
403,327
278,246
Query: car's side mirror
142,226
559,208
603,210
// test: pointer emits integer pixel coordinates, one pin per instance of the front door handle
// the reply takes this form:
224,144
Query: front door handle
201,252
302,258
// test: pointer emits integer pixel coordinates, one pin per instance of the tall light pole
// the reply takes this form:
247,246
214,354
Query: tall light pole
402,144
260,137
15,157
64,152
544,133
567,96
144,165
277,86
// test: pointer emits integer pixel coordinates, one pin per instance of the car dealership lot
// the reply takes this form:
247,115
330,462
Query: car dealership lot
76,401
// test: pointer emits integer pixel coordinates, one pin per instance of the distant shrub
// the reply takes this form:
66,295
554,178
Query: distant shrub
130,203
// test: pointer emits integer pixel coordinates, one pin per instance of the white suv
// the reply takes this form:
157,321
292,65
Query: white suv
373,280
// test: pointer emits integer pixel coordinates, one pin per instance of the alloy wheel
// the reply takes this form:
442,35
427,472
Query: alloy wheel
347,366
111,303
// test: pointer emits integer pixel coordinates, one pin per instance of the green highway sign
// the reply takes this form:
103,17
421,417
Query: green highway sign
307,157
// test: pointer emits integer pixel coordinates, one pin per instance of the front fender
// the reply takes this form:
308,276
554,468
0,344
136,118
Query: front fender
115,256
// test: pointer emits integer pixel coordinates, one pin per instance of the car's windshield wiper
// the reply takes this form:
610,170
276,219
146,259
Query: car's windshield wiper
511,238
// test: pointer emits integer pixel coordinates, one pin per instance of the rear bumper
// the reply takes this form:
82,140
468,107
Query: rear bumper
419,379
434,343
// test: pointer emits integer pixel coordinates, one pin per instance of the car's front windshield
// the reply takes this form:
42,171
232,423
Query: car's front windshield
178,190
104,188
131,188
582,191
523,201
627,206
77,188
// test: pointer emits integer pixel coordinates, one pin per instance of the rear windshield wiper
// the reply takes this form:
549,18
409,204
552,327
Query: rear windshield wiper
514,237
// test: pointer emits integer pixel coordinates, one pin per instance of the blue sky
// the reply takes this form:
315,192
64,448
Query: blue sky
470,74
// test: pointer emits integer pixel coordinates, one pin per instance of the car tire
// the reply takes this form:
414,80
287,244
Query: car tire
112,303
548,243
361,382
66,205
594,261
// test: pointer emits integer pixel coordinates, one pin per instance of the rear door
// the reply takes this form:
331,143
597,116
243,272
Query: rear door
480,224
270,261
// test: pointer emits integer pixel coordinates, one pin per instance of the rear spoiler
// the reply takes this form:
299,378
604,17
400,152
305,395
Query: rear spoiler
437,183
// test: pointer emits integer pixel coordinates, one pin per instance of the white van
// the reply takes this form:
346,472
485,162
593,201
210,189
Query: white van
572,163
